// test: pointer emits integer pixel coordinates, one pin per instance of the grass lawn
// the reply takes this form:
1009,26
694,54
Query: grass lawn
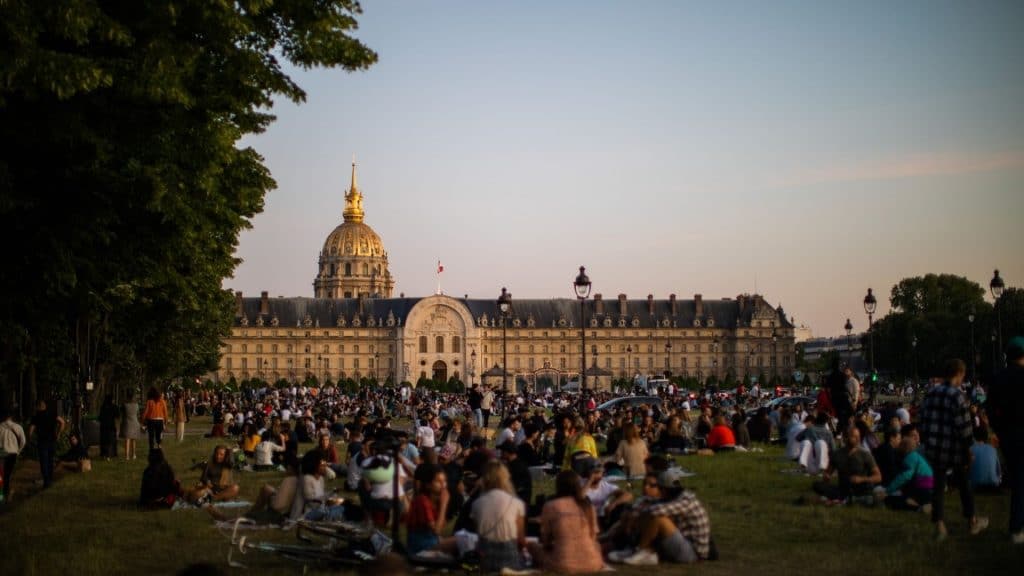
88,524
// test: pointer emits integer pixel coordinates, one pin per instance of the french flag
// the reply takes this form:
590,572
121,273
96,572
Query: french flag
440,268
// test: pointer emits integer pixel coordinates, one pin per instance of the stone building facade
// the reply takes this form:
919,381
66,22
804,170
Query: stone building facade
354,328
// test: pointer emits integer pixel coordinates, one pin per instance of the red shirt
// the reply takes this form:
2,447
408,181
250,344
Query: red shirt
721,435
422,515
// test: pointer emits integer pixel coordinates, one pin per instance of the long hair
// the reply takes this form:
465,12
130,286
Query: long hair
153,393
496,477
629,433
567,485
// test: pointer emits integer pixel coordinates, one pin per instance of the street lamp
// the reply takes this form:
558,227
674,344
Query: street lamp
629,362
376,367
996,286
319,363
913,348
775,368
472,367
582,287
505,311
870,304
849,349
970,320
668,359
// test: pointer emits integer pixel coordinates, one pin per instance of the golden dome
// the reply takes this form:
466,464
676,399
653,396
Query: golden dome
353,239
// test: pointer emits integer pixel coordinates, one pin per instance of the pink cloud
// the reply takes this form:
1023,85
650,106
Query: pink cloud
915,166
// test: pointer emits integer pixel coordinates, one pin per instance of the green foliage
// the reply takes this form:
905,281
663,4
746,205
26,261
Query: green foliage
934,309
122,181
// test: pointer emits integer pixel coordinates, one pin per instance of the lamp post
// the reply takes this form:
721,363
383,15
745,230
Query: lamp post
505,311
376,367
996,286
472,367
668,359
849,348
582,287
870,304
319,363
629,362
974,356
913,353
264,371
775,363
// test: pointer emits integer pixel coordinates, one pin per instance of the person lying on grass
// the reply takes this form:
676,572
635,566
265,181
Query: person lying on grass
273,505
216,483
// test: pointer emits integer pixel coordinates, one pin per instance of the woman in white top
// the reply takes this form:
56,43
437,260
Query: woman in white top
500,519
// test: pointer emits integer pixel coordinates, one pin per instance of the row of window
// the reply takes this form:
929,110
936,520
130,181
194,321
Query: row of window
439,344
308,349
563,363
289,363
682,348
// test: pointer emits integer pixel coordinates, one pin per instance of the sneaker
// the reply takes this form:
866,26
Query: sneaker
979,524
1017,537
642,557
620,555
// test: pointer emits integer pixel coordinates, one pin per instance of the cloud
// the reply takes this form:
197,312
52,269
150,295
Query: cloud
913,166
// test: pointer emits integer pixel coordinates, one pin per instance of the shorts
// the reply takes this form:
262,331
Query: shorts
419,541
676,548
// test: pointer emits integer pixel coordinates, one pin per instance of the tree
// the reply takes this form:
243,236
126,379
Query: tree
932,310
121,177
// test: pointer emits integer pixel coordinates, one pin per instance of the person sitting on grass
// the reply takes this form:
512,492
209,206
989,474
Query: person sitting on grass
216,483
985,473
269,445
721,438
816,443
887,455
428,512
311,494
568,531
160,489
608,499
856,469
273,505
673,526
74,460
911,488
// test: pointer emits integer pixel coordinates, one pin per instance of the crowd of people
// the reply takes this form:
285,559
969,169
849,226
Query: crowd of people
432,461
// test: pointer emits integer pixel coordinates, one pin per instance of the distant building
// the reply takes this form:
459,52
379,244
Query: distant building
849,349
802,334
353,328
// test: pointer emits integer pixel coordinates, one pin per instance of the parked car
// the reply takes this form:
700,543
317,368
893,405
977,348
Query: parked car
791,401
629,402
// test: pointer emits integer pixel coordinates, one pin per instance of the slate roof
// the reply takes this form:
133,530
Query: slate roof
555,312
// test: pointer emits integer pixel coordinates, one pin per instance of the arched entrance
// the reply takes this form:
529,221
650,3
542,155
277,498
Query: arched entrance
440,371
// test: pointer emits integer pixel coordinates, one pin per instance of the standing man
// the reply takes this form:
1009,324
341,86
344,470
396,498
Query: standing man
12,441
487,404
946,432
1006,412
47,426
475,398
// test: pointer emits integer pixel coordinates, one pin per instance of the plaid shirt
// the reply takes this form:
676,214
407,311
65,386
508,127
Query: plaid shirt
689,517
945,427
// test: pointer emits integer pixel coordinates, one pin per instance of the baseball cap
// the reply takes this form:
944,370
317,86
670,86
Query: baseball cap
586,466
670,478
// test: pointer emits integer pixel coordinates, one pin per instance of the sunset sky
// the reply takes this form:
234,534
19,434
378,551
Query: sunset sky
807,150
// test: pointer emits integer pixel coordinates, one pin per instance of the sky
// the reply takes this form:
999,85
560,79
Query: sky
803,150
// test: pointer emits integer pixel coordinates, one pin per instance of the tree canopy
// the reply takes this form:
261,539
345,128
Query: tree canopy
122,185
935,310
